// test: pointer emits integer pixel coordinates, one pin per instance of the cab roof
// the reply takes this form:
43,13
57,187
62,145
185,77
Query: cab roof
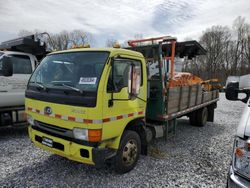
113,51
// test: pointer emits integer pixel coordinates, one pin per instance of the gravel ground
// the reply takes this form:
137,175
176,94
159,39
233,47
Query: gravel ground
196,157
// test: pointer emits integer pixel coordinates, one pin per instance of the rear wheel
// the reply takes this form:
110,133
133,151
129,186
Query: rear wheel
210,113
192,118
201,117
150,134
128,152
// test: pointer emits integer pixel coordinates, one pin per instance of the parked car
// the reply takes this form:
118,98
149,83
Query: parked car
239,171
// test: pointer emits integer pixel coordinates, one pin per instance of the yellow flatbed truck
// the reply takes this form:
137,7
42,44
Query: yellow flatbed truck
98,105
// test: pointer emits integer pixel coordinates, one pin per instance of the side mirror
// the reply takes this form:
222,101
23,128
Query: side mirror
7,66
232,91
134,80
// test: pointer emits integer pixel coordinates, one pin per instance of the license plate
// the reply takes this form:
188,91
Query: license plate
47,142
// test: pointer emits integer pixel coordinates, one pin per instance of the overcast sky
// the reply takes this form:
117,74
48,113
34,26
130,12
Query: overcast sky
120,19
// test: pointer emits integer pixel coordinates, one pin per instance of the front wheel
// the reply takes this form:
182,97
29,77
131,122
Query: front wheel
128,152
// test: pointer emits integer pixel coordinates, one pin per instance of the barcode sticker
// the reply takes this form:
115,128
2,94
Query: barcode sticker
88,80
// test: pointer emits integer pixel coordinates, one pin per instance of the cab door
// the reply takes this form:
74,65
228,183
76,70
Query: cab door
12,88
118,107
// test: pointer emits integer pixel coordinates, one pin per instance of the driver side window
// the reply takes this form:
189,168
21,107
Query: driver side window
120,70
120,78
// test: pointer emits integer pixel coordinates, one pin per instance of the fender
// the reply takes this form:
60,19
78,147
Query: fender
138,125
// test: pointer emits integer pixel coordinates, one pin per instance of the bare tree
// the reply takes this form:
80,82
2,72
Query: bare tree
79,37
228,52
60,40
214,40
241,52
247,48
110,42
65,39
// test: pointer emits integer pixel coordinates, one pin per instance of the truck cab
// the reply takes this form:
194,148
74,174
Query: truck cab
12,88
239,171
18,59
80,101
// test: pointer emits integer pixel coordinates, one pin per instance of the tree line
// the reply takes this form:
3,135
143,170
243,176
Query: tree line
228,52
228,48
62,40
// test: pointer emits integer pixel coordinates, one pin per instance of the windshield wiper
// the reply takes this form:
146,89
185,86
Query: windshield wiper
73,88
40,86
70,87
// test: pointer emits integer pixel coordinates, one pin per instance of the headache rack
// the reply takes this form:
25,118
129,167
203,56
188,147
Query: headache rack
28,44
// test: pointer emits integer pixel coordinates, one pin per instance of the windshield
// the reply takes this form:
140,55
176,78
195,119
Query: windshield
75,70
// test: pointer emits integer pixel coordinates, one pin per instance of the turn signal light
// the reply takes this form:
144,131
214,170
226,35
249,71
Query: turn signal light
81,46
239,152
116,45
95,135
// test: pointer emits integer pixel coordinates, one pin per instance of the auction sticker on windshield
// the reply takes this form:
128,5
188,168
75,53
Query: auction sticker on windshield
88,80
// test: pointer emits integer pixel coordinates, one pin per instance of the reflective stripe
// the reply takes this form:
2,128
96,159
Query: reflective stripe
58,116
79,120
87,121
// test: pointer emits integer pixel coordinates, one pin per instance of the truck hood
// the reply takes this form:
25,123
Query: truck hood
244,125
64,116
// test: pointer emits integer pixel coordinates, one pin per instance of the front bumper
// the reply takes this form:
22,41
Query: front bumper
71,150
235,180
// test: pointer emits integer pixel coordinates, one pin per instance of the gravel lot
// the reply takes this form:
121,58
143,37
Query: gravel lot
196,157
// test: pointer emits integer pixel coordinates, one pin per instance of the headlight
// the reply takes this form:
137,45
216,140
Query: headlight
92,135
241,159
30,119
81,134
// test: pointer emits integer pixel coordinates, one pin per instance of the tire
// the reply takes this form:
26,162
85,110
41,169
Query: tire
150,134
192,118
210,117
128,152
201,117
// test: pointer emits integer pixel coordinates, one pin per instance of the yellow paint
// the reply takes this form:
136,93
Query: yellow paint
71,150
111,131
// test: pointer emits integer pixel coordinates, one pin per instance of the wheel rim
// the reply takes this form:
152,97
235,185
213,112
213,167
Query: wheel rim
129,153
